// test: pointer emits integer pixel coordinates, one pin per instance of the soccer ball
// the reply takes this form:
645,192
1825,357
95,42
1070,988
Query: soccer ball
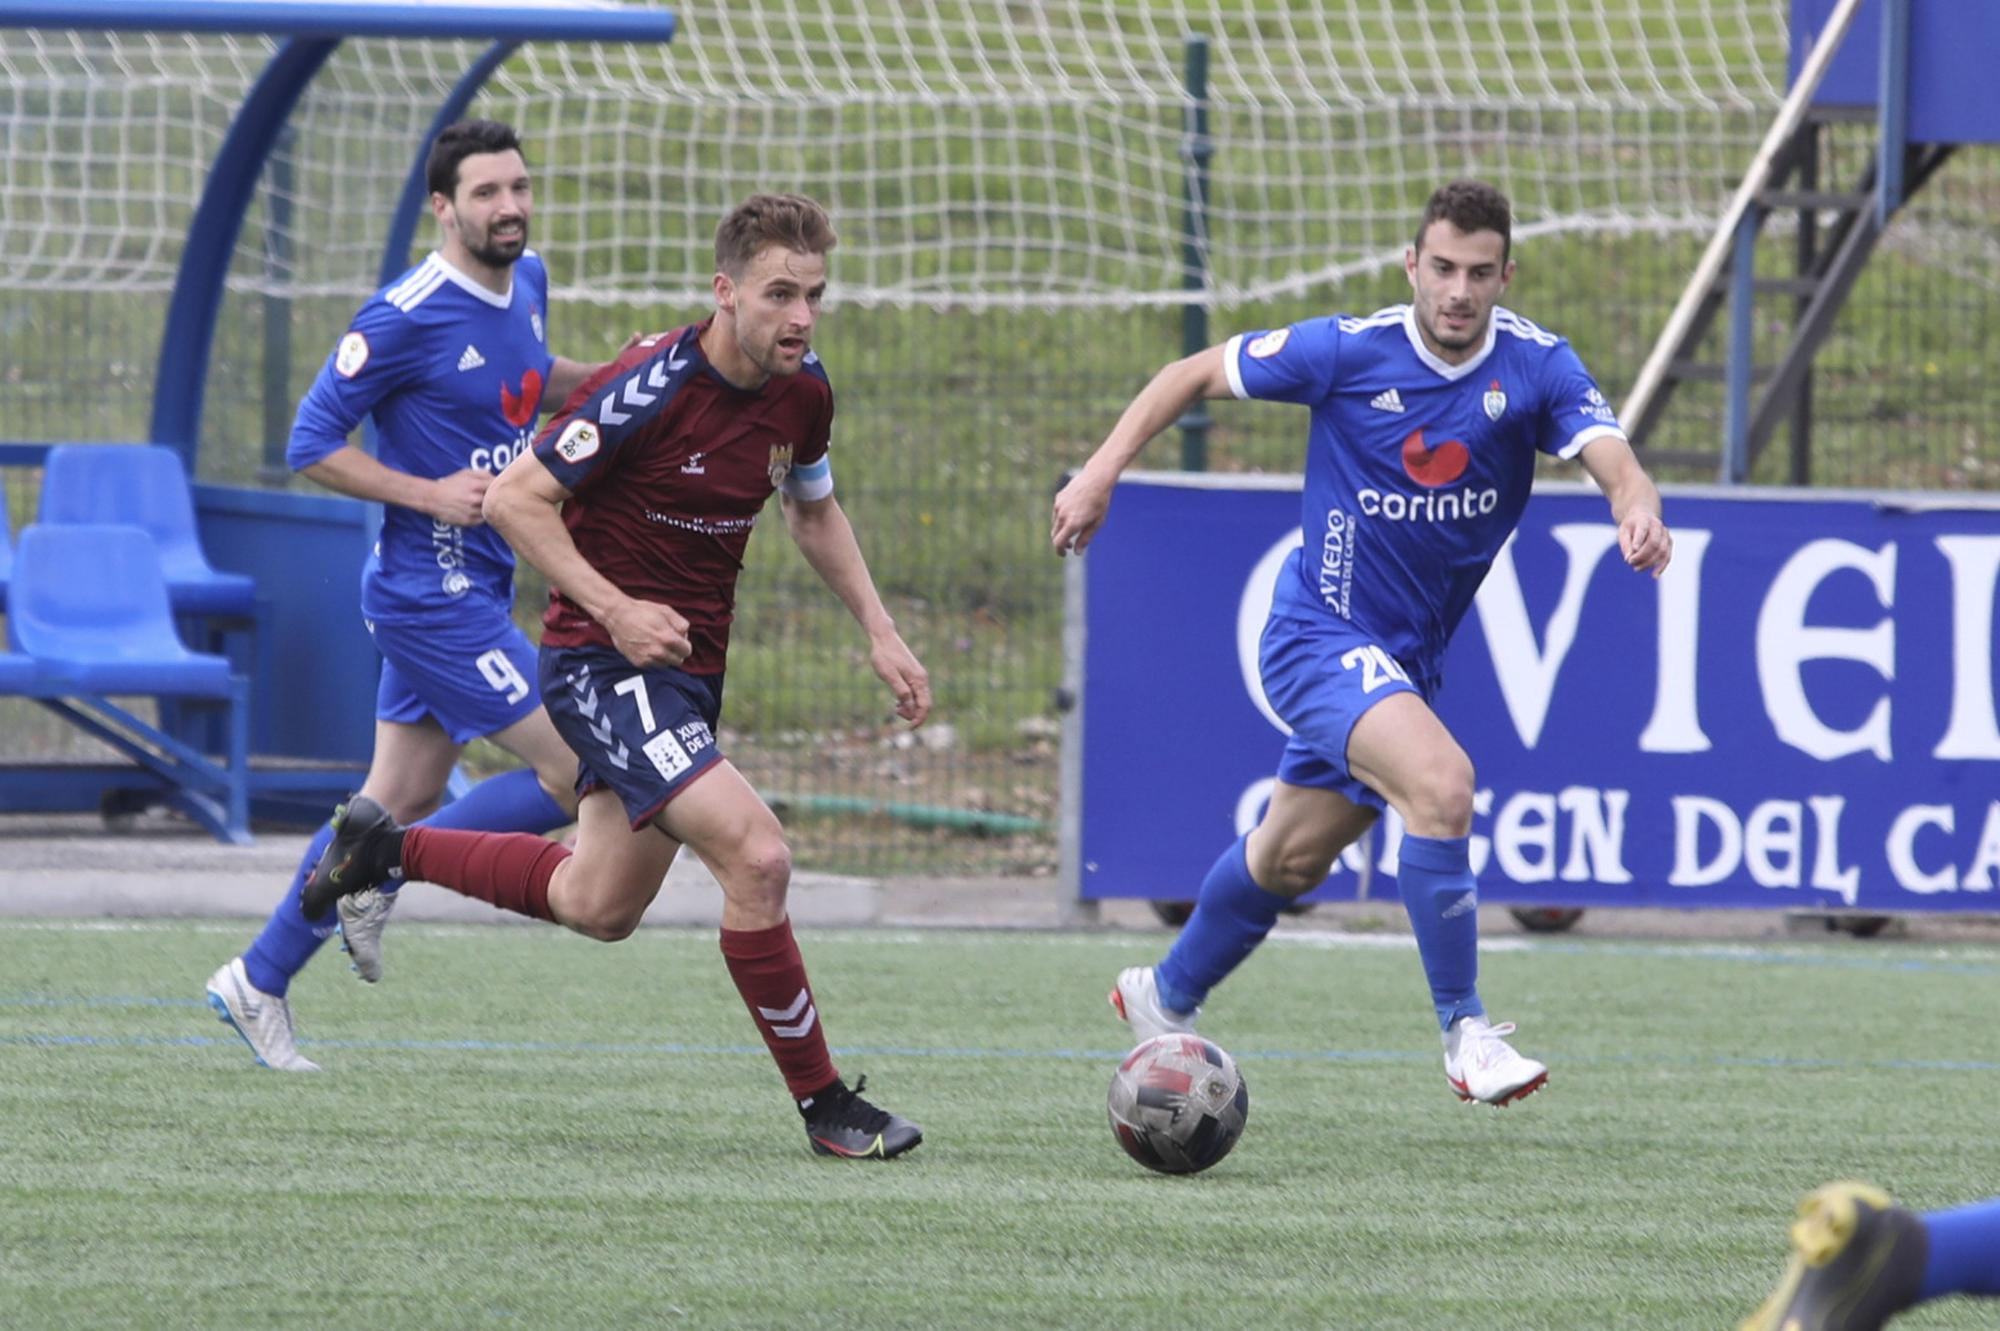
1178,1104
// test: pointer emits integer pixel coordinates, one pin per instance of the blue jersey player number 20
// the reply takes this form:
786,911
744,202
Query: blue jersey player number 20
1425,423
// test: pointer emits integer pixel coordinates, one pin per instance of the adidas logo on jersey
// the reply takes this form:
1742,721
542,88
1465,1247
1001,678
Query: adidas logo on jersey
1389,401
472,360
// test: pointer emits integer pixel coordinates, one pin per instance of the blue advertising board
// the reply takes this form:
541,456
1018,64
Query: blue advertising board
1799,715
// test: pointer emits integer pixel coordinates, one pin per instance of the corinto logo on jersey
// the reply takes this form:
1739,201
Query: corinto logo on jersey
497,458
1430,506
352,355
579,440
1270,344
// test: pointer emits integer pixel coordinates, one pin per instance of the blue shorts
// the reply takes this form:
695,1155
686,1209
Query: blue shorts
472,668
645,734
1320,678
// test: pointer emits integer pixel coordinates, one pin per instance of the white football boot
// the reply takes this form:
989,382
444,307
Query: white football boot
362,916
1136,997
263,1020
1483,1067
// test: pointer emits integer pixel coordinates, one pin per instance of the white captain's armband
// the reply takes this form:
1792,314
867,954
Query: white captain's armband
813,481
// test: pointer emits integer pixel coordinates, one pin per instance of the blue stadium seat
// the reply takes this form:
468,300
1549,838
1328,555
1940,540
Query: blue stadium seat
88,605
17,673
147,486
6,545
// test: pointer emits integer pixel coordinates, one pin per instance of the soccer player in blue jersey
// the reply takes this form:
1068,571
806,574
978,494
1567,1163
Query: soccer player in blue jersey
1426,422
452,361
1858,1259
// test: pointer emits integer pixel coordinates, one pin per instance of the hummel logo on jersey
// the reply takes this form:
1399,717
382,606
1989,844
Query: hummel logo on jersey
471,360
1389,401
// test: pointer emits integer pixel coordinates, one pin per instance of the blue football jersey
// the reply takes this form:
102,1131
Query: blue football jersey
453,374
1416,470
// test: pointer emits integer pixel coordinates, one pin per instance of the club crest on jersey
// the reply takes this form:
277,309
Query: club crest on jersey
352,355
579,440
781,464
535,322
1270,344
1495,401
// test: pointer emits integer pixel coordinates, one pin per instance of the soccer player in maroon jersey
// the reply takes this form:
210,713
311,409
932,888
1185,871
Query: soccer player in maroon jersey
637,507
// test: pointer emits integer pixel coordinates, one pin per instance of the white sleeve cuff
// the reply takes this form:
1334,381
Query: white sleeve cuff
1232,350
1585,435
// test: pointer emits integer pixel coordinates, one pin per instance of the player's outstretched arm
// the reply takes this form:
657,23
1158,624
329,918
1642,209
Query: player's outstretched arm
1081,505
454,499
1643,537
825,537
524,504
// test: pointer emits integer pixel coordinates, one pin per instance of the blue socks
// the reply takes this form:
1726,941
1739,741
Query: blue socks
511,802
1230,918
289,939
1434,875
1964,1251
1233,915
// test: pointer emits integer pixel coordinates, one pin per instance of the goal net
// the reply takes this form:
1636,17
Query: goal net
975,154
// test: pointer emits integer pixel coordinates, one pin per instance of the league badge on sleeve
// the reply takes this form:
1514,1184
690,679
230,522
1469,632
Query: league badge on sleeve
1495,401
1270,344
781,464
579,440
352,355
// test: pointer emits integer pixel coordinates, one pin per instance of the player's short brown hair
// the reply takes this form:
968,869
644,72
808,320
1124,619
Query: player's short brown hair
1470,205
790,220
460,140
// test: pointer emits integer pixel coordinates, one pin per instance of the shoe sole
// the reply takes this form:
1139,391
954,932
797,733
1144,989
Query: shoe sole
221,1006
315,886
821,1146
353,962
1828,1218
1826,1224
1520,1092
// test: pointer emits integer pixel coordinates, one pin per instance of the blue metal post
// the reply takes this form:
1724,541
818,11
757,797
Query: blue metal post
1742,347
278,272
1196,150
1895,109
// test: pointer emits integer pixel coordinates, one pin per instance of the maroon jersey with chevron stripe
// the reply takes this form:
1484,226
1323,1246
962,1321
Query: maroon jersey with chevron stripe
668,466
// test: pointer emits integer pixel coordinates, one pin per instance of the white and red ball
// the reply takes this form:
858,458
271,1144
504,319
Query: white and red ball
1178,1104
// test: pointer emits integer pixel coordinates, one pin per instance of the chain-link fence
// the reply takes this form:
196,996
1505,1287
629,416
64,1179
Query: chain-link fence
959,414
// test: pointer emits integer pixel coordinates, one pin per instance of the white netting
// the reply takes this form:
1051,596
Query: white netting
974,152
